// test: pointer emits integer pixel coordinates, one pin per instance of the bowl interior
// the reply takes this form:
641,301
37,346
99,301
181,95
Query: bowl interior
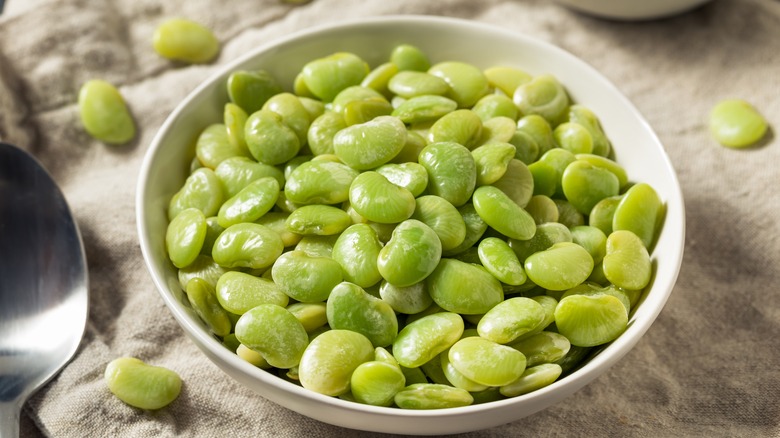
635,145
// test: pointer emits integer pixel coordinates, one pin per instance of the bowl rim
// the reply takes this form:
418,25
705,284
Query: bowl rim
598,363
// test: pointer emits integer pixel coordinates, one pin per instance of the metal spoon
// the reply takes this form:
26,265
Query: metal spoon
43,282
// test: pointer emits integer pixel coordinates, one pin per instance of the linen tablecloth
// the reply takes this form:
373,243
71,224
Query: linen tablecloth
709,366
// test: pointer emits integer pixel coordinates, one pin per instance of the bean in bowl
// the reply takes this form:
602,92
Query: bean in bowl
411,234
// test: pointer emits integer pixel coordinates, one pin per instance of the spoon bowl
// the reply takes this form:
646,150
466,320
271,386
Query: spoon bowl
43,282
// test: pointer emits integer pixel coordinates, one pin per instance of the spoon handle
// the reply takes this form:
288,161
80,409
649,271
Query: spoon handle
9,418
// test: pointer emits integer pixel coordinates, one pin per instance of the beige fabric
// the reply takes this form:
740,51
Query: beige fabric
707,367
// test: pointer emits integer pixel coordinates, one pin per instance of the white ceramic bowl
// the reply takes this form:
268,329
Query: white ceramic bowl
636,146
633,9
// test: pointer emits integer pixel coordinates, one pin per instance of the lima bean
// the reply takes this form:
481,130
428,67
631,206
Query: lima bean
104,113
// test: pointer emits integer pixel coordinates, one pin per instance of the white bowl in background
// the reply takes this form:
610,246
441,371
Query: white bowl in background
636,147
633,9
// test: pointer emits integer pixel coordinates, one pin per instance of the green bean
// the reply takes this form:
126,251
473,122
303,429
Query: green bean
357,250
275,333
507,79
202,297
376,383
315,245
562,266
252,202
467,83
585,117
411,176
640,211
432,396
492,161
318,219
585,185
487,362
592,239
371,144
475,228
545,178
213,146
379,77
234,118
502,214
423,339
461,126
526,148
411,254
349,307
409,57
543,347
510,319
140,385
185,236
546,235
291,112
409,84
542,209
414,375
251,89
252,356
608,164
501,261
409,299
574,138
213,230
587,321
269,139
452,171
735,123
544,96
104,113
495,105
247,245
627,262
363,111
326,77
568,214
378,200
602,214
355,93
592,289
204,268
322,275
539,129
330,360
233,174
239,292
184,40
312,316
320,182
322,130
443,218
420,109
451,277
455,377
499,129
533,378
